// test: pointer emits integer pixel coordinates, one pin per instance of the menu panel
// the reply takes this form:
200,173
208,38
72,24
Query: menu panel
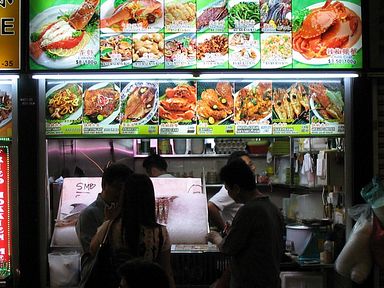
191,108
201,34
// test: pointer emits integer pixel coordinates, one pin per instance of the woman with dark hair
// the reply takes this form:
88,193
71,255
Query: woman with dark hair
135,232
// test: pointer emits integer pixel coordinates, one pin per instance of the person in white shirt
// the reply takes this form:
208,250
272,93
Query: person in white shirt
156,166
222,208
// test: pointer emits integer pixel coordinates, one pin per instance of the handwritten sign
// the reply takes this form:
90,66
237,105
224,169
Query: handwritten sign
9,35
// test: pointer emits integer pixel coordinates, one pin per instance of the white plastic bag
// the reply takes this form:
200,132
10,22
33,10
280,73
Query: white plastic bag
355,260
64,269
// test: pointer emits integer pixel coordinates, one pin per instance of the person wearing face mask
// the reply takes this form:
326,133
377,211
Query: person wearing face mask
221,207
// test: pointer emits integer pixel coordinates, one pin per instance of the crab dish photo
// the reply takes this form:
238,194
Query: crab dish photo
332,25
178,104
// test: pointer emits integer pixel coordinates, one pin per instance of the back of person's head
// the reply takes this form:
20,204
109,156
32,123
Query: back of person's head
236,155
238,172
115,173
139,273
155,161
137,209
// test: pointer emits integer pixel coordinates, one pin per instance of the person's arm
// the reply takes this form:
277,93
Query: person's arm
98,238
86,228
164,258
215,216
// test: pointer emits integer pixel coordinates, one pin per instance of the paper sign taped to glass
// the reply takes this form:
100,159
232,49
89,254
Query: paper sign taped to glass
181,205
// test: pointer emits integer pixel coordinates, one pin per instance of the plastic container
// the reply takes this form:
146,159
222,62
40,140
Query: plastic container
180,146
197,146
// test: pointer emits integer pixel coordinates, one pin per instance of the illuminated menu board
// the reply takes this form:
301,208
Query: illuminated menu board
194,108
195,34
5,219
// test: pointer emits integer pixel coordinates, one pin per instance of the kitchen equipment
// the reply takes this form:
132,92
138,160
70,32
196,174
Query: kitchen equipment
307,241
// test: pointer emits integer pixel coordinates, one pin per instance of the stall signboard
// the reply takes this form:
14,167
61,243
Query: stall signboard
10,34
189,34
5,210
149,108
6,100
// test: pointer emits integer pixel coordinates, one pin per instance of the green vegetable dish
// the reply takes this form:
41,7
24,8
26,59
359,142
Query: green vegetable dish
243,11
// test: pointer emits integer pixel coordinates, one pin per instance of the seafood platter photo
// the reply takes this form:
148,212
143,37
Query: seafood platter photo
195,34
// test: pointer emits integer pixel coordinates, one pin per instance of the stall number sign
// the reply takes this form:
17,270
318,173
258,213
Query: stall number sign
5,219
9,34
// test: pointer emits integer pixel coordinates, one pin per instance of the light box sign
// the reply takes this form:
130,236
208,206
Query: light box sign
195,108
201,34
9,34
5,219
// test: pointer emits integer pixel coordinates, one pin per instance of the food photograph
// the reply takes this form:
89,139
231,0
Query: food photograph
61,37
276,50
102,104
180,16
275,15
5,106
326,33
253,103
326,102
244,50
212,50
131,16
139,101
243,16
215,103
64,102
148,50
212,16
180,50
178,102
290,103
115,51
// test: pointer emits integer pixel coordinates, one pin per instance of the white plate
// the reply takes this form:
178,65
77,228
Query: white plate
116,112
236,47
75,115
282,62
128,90
317,114
320,61
107,9
49,16
250,86
236,56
